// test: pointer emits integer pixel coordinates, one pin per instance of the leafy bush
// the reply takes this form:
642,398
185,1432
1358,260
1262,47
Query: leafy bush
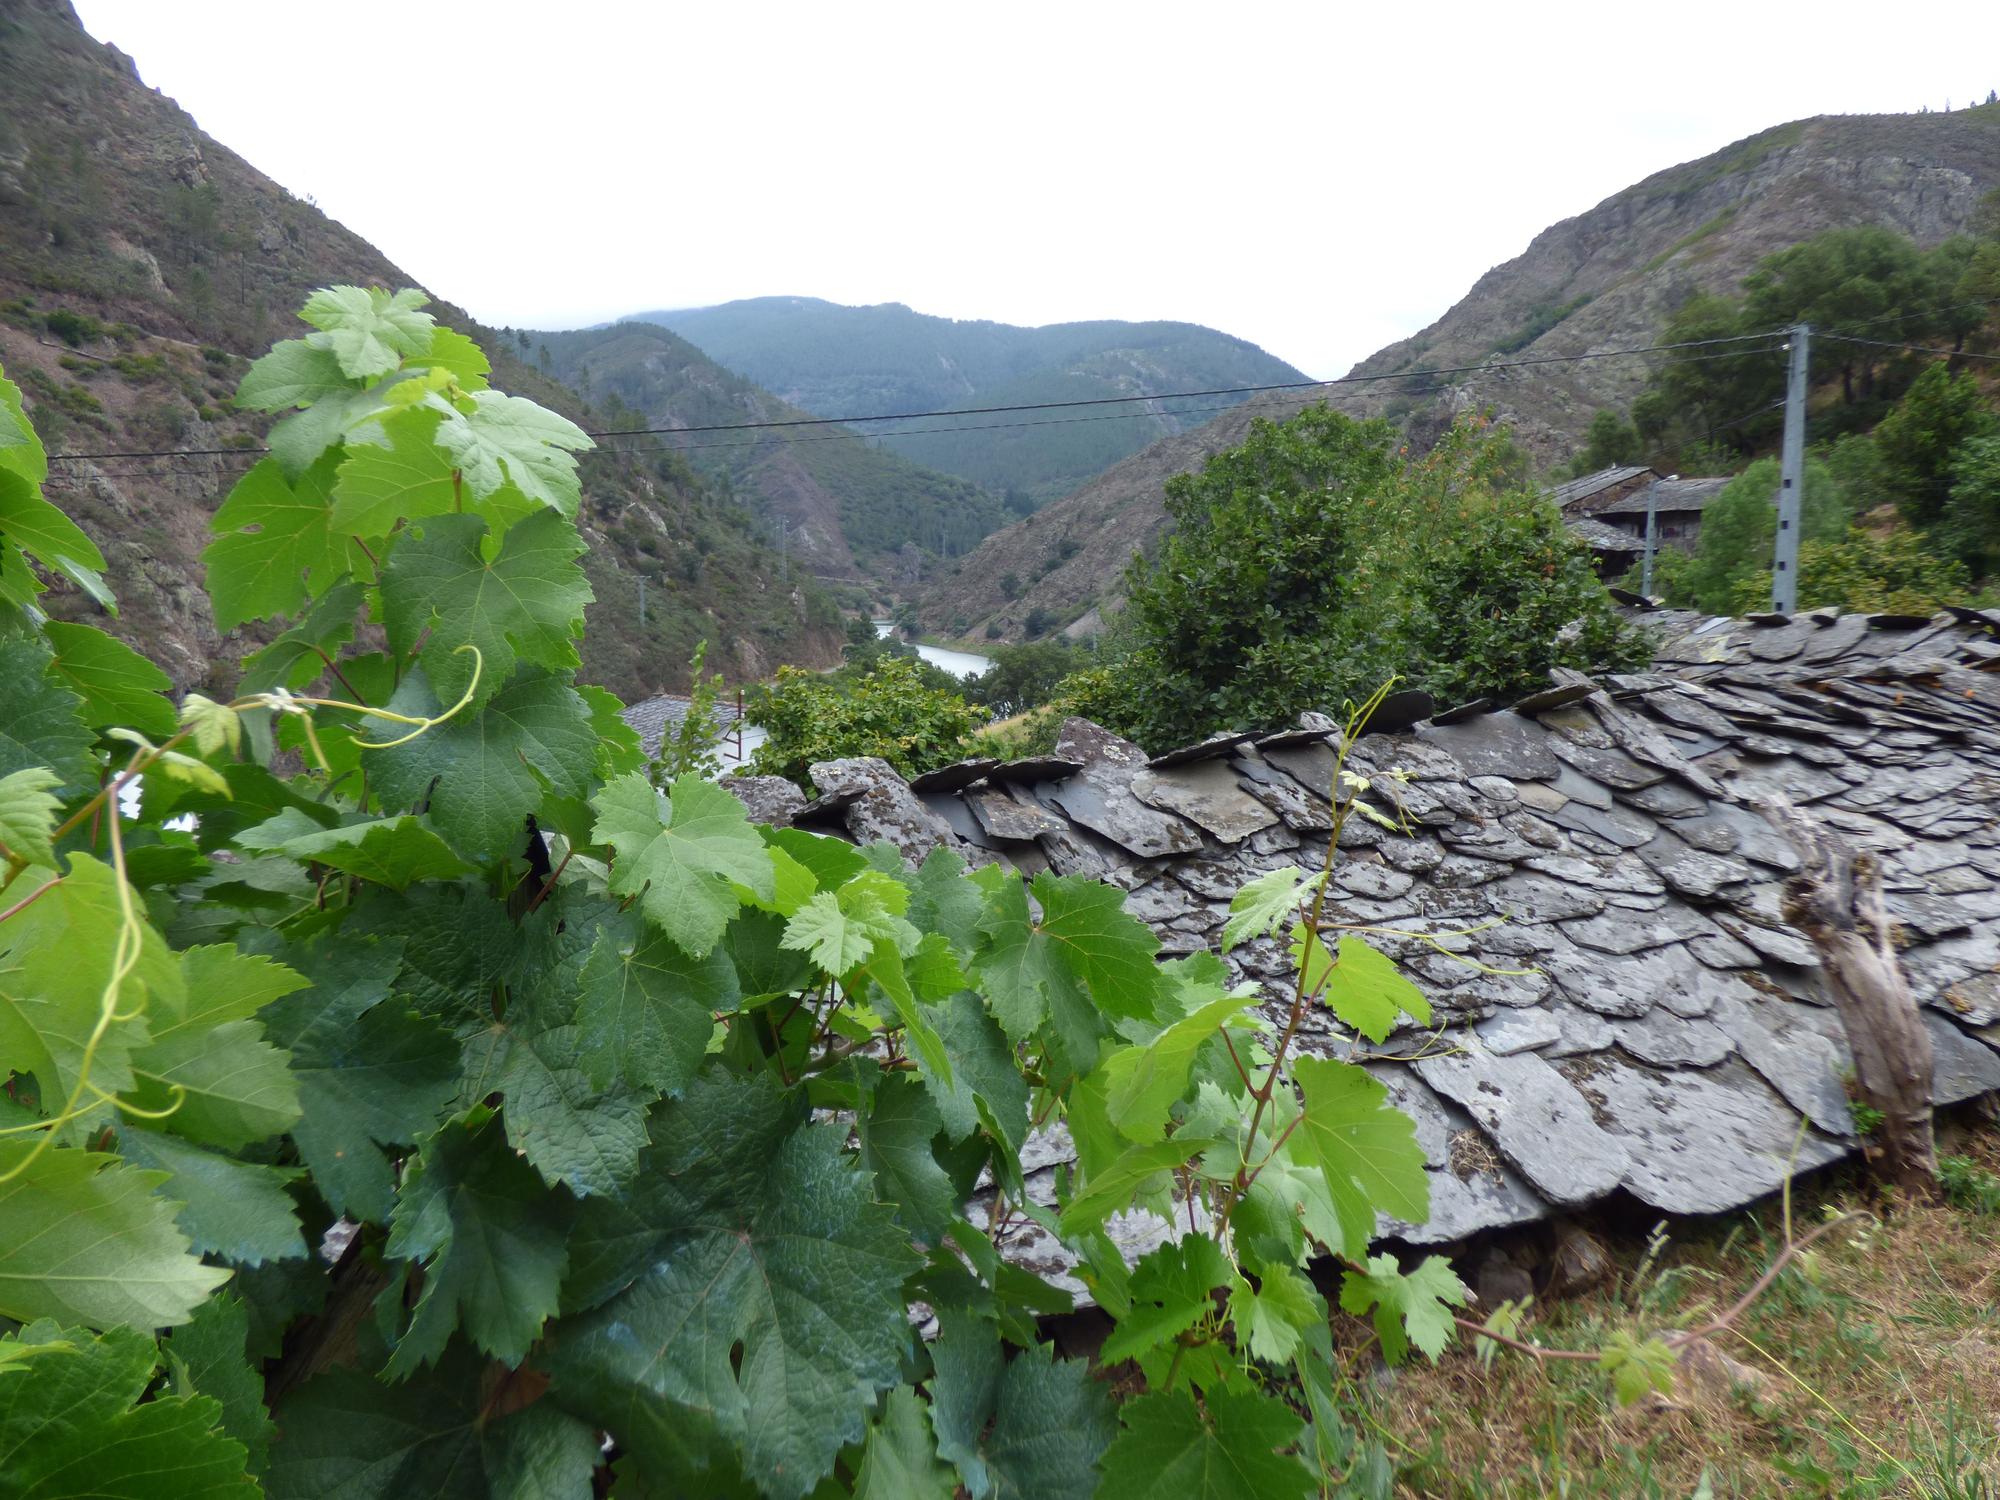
1306,566
888,712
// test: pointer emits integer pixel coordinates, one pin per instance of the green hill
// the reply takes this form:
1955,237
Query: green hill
834,360
847,505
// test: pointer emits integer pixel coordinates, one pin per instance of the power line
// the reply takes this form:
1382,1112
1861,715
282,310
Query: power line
1844,338
974,411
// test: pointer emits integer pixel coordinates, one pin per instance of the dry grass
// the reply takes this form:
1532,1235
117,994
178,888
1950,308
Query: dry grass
1874,1370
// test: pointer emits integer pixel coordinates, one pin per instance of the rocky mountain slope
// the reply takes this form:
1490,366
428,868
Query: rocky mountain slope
843,505
835,360
142,263
1604,280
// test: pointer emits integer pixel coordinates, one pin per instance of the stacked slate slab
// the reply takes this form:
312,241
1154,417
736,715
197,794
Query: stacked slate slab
1619,1006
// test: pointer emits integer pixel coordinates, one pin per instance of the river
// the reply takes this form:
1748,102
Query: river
958,663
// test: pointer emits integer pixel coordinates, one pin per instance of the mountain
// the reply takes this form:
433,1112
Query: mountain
1607,279
846,507
142,264
835,360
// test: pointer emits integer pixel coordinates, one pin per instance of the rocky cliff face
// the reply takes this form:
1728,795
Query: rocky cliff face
1606,279
142,263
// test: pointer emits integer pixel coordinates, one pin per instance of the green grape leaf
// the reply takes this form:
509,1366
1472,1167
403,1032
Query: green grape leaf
586,1138
646,1010
1272,1317
1362,985
55,968
210,1357
684,859
453,351
39,528
300,440
41,722
274,544
72,1427
294,373
396,852
507,440
832,862
345,1434
28,813
479,768
1365,1148
1262,906
210,1065
83,1239
117,685
1051,1425
985,1085
405,476
1170,1294
526,603
368,331
1144,1083
839,929
1234,1448
619,749
770,1306
1410,1308
900,1461
367,1072
943,900
491,1237
1106,1192
21,451
237,1210
896,1135
1084,954
1636,1370
303,653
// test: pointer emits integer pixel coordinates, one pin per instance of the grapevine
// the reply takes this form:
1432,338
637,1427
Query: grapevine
462,1106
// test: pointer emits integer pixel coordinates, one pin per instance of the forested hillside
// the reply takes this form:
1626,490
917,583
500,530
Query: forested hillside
1613,278
141,263
844,505
835,360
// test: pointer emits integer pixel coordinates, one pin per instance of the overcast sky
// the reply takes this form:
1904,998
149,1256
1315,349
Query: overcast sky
1321,179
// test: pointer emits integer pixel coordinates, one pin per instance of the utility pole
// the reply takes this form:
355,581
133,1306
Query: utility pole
1652,512
1791,484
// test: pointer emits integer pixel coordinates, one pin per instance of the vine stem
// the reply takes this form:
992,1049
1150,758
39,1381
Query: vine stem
31,898
1301,994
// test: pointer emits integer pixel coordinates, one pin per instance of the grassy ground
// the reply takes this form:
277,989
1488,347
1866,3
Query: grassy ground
1873,1370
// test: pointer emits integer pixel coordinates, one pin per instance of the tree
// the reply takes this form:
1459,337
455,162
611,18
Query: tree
1739,531
1897,570
1610,439
1971,523
1848,279
1919,439
1294,578
1705,393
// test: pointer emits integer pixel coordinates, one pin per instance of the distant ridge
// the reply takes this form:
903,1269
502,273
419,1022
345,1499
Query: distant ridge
836,360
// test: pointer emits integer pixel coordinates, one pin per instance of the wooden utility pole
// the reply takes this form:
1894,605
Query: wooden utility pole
1835,899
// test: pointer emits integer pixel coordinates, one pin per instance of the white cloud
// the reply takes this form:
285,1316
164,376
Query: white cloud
1318,178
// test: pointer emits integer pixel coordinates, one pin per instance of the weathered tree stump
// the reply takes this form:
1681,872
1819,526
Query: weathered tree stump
1835,899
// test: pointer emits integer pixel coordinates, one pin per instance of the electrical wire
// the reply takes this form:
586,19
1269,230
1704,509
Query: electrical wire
1845,338
973,411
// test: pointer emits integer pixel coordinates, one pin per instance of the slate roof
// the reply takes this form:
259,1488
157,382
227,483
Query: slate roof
1641,1021
651,717
1602,538
1570,492
1678,495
